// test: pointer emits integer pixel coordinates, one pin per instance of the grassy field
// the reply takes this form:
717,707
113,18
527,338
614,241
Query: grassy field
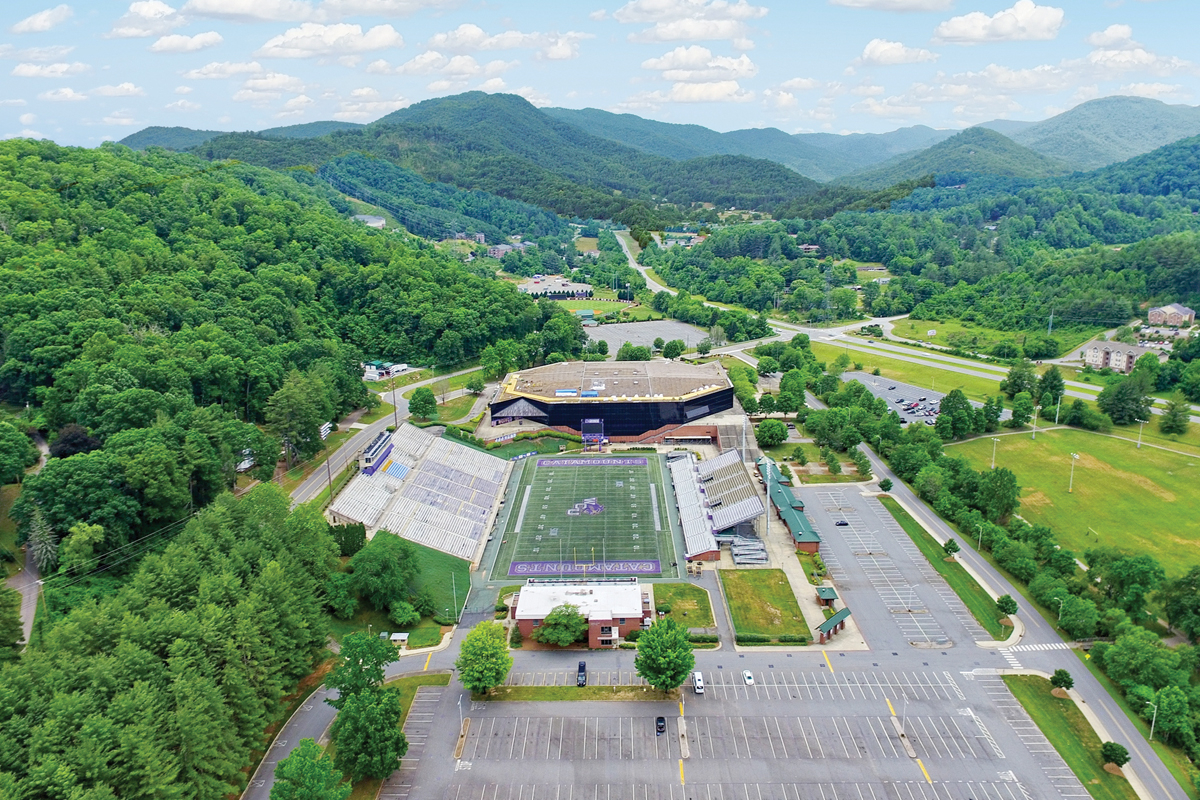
684,598
761,601
977,601
1143,500
1064,725
436,571
587,511
296,475
384,410
585,243
451,383
8,527
923,375
544,445
455,409
401,380
600,307
980,338
808,562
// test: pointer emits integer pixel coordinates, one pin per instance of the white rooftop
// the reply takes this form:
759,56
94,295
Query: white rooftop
537,600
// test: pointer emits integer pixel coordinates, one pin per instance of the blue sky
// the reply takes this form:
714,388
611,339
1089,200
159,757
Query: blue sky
84,71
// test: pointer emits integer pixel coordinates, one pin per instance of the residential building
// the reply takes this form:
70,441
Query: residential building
614,607
1114,355
1174,315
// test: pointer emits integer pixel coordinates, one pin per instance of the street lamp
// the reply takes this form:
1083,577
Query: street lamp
1141,424
1036,410
1153,718
1071,484
1058,408
995,442
979,525
1059,600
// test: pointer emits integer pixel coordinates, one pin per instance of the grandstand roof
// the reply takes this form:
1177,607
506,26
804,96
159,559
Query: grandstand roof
732,495
693,516
607,381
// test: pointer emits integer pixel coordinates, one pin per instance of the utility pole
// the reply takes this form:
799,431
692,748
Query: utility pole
1153,718
395,406
329,476
995,441
1036,411
1071,483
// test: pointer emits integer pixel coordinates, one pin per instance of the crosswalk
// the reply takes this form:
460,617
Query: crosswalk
1026,648
1012,660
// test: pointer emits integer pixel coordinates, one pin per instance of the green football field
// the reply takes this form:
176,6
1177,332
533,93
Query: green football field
588,516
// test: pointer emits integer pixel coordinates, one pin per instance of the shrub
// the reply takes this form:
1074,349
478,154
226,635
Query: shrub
501,607
515,638
1061,679
752,638
1113,753
628,645
440,620
633,636
703,638
664,608
793,637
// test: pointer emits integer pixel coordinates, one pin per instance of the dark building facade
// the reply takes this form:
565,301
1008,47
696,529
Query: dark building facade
621,417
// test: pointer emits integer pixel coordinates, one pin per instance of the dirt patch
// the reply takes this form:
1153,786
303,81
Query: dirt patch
1036,500
1006,622
1113,769
1061,694
1142,482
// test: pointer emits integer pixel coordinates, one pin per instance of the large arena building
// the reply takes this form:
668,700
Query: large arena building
627,398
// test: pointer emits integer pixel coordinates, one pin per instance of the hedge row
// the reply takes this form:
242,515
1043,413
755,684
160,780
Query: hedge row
762,639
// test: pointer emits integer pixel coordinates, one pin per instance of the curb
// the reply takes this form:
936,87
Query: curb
1130,774
1014,637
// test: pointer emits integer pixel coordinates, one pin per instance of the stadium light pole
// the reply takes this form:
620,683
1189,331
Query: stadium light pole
1071,483
395,406
995,441
1141,424
979,525
1153,718
1036,411
1058,408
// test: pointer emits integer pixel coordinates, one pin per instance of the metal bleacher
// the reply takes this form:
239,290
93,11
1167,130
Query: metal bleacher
714,497
432,491
693,513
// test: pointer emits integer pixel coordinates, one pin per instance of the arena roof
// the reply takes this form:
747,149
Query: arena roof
609,381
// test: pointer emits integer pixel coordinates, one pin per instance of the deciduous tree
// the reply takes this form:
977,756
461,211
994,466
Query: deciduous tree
1113,753
664,655
483,659
308,774
423,404
770,432
1061,679
367,733
1006,605
360,667
383,569
564,625
11,632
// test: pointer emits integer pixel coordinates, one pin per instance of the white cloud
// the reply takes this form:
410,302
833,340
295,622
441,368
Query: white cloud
49,70
49,53
27,119
780,99
296,106
890,108
13,102
223,69
25,134
182,105
64,95
711,92
145,18
178,43
122,117
801,84
251,10
694,20
537,98
883,52
366,104
43,21
896,5
451,71
312,40
387,8
598,15
1114,37
183,90
1024,22
867,91
471,38
697,64
1155,90
126,89
274,82
492,85
1112,63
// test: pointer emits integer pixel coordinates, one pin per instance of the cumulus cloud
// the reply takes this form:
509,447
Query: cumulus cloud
1114,37
889,108
896,5
179,43
146,18
449,71
122,117
295,107
492,85
367,104
64,95
182,105
1154,90
694,20
274,82
43,21
126,89
801,84
696,64
183,90
535,97
223,69
468,38
867,90
1025,21
49,53
251,10
312,40
728,91
883,52
59,70
387,8
27,119
779,98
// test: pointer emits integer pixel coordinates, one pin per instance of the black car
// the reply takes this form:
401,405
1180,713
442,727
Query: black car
660,726
891,388
841,523
581,678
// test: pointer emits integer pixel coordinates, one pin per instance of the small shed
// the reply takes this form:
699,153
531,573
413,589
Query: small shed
826,595
832,625
400,641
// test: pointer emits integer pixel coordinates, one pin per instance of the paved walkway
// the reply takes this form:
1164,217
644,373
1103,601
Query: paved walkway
27,580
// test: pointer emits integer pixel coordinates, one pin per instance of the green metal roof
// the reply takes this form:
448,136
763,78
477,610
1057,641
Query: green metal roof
788,506
829,624
826,593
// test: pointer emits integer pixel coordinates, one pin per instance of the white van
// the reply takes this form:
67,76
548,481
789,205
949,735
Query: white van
698,682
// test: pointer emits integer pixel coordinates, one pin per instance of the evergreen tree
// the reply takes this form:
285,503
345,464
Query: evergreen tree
1177,416
43,546
1022,377
11,632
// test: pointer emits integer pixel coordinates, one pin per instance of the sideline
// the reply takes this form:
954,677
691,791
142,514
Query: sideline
1128,771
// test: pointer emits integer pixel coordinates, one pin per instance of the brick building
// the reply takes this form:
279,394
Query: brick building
614,607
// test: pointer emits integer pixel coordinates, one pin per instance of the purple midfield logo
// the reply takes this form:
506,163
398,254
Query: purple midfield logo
588,506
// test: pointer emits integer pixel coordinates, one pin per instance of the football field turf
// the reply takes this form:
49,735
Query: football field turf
581,516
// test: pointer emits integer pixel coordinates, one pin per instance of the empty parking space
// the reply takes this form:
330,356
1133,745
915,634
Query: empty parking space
849,790
570,739
791,685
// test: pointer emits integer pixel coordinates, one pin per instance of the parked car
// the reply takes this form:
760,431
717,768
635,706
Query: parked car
660,726
581,677
747,677
891,388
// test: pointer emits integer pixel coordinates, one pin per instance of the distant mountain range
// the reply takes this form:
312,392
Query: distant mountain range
187,138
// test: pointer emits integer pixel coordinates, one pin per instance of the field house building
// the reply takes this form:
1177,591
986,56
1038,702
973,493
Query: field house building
614,607
632,399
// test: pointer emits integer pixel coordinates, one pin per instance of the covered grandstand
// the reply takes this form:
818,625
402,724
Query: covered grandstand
712,498
789,508
429,490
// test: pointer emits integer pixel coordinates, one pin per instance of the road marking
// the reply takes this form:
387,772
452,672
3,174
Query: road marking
827,661
427,660
889,702
924,771
681,783
681,708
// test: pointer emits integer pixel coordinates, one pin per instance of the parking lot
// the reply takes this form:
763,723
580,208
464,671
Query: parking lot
773,684
643,334
900,396
840,790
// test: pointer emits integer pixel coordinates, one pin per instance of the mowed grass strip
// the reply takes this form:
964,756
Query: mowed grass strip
977,601
1064,725
761,602
1141,500
684,598
924,374
535,694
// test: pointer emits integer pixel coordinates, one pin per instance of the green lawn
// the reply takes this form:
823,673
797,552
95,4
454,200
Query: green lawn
1143,500
558,693
971,336
808,562
452,383
455,409
436,570
1064,725
685,598
585,243
761,601
384,410
401,380
979,602
922,375
592,304
8,526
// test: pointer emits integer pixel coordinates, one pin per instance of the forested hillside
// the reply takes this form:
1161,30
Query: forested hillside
975,151
185,138
503,145
157,310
